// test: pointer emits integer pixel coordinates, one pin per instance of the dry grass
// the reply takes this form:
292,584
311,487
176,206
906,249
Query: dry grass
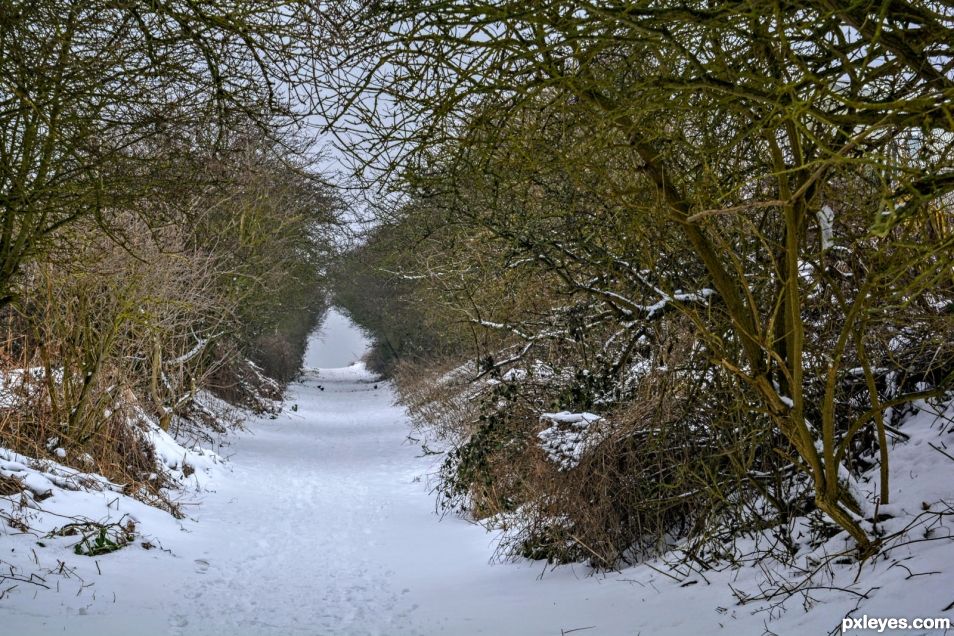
670,457
107,440
10,485
112,446
439,396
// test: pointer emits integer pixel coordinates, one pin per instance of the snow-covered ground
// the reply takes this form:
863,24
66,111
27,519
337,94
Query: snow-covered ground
323,524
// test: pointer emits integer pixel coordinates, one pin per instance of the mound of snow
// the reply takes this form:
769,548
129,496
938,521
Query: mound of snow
569,437
179,462
60,511
51,514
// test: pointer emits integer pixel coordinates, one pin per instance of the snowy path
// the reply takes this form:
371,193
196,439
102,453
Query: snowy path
324,526
330,530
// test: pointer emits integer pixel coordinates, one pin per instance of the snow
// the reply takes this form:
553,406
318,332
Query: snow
826,219
181,463
514,375
569,438
324,524
193,352
679,296
18,385
47,476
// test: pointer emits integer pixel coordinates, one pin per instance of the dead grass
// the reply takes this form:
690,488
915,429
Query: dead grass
108,441
10,485
669,459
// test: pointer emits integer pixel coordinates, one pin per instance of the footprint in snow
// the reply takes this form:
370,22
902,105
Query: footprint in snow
201,566
178,621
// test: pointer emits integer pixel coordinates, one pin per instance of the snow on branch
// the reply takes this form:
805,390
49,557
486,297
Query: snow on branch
200,344
826,219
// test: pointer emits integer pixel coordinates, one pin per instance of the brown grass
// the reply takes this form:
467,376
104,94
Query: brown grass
10,485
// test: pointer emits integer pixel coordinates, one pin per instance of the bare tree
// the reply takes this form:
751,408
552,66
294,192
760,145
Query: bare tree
88,89
794,160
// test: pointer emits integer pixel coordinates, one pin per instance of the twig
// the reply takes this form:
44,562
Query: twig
651,567
948,455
